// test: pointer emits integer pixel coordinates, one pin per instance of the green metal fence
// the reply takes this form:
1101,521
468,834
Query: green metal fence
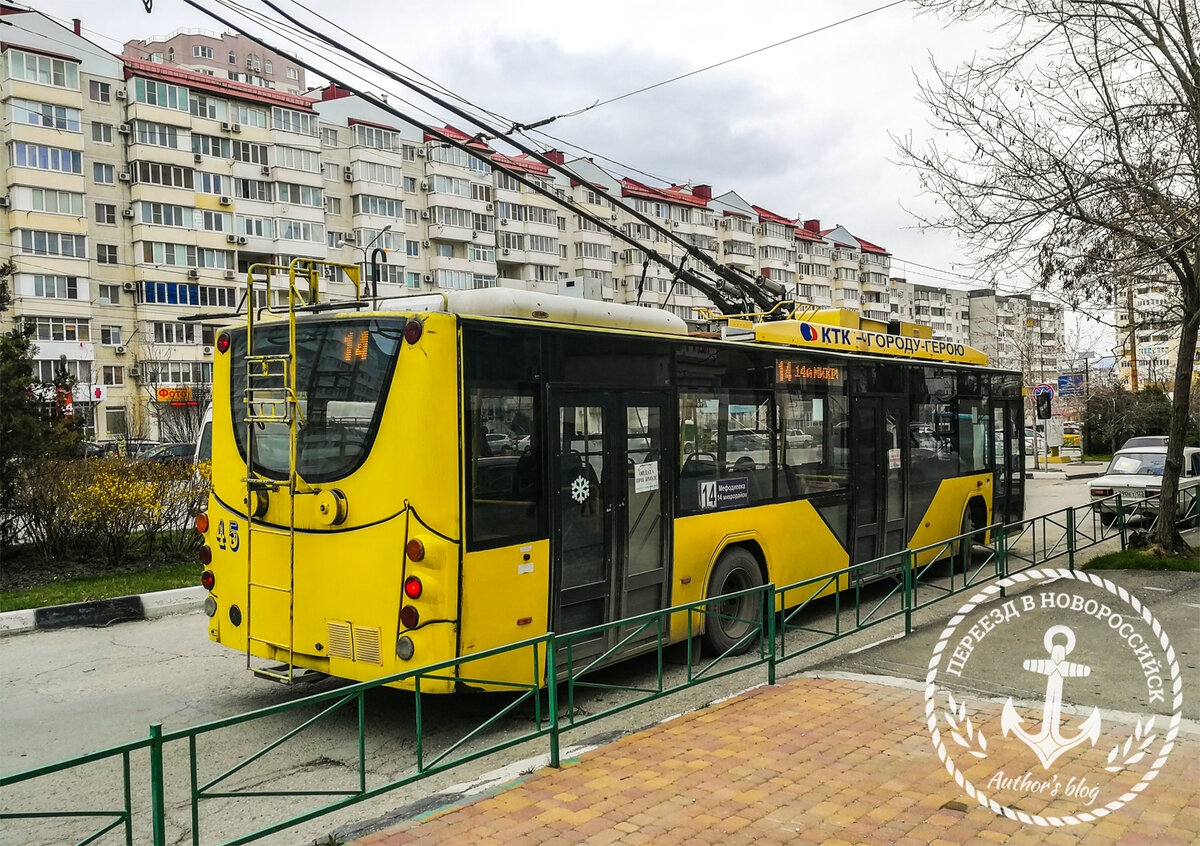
857,597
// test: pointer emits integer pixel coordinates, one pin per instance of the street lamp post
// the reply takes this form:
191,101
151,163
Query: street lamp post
349,242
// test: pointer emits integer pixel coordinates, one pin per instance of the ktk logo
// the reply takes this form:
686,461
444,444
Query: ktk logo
1073,644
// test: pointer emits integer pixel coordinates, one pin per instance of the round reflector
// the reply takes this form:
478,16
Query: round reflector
412,587
409,616
202,522
235,615
210,606
204,553
415,550
412,330
207,580
404,648
223,342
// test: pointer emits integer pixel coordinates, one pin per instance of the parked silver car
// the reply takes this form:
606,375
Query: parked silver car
1137,474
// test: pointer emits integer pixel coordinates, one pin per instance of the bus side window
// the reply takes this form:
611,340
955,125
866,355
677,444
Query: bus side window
505,501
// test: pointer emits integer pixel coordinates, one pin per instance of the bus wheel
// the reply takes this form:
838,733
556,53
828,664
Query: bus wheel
731,620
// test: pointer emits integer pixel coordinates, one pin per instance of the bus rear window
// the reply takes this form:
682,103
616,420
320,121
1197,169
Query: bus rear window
343,370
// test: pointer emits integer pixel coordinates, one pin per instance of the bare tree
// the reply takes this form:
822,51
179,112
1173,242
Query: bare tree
1071,152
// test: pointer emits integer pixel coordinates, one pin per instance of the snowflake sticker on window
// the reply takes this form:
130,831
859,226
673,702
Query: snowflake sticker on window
580,489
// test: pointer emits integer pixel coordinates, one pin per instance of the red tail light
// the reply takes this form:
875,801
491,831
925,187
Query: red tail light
409,617
415,550
207,580
204,553
1101,491
412,587
413,330
202,522
223,342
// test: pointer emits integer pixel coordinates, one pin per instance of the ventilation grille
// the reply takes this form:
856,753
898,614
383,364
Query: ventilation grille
339,641
366,645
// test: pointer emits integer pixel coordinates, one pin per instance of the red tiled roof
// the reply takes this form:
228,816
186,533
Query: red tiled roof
522,162
868,247
224,87
674,194
803,234
459,135
765,216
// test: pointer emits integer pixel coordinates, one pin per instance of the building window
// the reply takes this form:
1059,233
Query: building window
232,58
292,73
57,202
46,158
56,287
199,51
100,92
102,133
412,248
110,335
43,69
329,137
412,280
114,420
106,213
106,253
113,375
103,174
108,294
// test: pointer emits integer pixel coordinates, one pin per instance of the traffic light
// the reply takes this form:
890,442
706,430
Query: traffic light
1043,405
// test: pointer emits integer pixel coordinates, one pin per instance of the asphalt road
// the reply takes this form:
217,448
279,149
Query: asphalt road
72,691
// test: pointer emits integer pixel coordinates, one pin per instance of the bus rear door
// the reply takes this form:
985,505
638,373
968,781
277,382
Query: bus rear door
878,472
610,504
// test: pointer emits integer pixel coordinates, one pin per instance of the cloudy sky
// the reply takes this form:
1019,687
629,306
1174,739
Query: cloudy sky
803,129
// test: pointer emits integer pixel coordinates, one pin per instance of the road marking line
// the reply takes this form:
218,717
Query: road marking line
1164,590
876,643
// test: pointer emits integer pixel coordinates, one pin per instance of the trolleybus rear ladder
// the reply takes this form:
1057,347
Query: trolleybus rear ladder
270,397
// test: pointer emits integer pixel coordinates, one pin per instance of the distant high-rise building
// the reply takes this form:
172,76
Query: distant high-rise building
222,55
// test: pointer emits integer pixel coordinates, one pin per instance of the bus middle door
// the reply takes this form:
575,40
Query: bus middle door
610,516
878,429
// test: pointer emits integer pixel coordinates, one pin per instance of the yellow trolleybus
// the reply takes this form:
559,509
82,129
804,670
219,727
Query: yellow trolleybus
394,488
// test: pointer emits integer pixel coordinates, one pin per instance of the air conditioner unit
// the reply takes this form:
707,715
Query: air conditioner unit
193,274
425,186
229,274
197,158
226,126
428,277
241,239
266,170
123,128
126,212
424,214
129,287
488,207
724,224
235,127
504,221
121,93
505,251
421,152
226,201
231,239
425,244
474,233
208,350
134,373
348,174
123,176
119,350
4,202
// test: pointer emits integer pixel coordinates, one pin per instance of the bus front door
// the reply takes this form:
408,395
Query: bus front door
878,432
1008,503
610,521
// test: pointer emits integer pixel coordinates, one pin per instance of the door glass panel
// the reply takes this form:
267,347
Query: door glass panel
644,489
581,503
866,420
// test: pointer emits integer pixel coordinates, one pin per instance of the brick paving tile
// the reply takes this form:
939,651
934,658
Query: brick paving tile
817,761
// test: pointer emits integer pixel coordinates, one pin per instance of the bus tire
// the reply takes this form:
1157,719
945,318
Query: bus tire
736,570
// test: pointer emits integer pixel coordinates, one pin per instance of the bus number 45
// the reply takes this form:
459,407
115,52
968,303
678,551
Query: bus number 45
234,540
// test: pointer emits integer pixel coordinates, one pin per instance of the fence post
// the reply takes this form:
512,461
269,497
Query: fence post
769,611
1001,553
906,564
1071,539
158,815
1121,522
552,696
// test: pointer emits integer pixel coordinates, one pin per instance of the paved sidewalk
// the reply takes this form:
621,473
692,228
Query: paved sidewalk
809,761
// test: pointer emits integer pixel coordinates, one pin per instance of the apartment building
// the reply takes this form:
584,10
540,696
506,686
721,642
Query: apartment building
1018,332
945,309
1146,328
221,54
141,192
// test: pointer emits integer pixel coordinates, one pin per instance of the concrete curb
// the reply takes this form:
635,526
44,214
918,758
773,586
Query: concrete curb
104,612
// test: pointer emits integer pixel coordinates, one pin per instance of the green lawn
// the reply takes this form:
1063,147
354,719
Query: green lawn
1132,559
104,586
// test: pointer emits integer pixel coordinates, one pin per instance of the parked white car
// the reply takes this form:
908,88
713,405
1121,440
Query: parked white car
1137,474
